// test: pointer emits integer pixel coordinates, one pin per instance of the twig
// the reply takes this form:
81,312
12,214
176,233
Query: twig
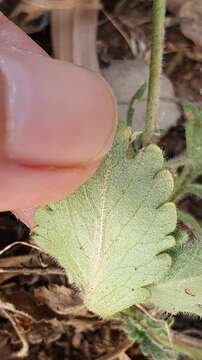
175,164
10,308
33,271
159,7
23,352
62,30
123,356
74,34
158,321
10,246
55,4
120,30
85,35
186,345
119,350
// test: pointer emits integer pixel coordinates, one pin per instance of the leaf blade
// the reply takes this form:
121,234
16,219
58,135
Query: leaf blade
110,234
195,189
180,290
190,221
193,132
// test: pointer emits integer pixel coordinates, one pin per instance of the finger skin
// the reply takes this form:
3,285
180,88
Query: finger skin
12,36
60,113
37,187
55,128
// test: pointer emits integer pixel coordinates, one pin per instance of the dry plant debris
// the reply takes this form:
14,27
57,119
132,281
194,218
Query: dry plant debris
190,18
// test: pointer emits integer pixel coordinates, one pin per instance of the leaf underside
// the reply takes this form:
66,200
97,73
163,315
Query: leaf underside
190,222
181,290
193,132
148,334
195,189
110,234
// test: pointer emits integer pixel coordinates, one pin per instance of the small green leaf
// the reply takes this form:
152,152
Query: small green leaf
138,95
181,237
180,290
148,334
195,189
185,183
111,234
197,171
193,131
190,221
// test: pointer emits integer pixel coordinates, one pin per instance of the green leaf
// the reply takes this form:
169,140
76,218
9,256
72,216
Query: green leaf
148,334
193,131
181,237
197,171
195,189
190,221
111,233
138,95
181,290
185,183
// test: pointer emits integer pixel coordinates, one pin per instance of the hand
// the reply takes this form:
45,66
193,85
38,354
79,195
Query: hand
57,122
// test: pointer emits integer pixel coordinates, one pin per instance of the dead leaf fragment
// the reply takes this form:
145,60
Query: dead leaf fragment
174,5
60,299
47,331
191,14
19,321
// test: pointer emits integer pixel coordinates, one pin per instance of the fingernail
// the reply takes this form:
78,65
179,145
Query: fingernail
56,113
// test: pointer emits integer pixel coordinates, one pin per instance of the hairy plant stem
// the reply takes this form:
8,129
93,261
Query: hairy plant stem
173,165
167,338
183,344
182,181
159,8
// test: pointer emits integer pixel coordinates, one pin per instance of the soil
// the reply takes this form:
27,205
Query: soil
41,308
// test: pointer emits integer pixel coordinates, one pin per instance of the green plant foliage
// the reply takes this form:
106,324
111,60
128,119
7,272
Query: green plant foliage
193,131
186,182
190,221
195,189
181,237
152,335
138,96
156,338
111,234
181,290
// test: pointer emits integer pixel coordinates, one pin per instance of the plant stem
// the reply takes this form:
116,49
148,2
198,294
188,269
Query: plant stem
185,345
173,165
133,323
74,33
158,18
36,271
182,181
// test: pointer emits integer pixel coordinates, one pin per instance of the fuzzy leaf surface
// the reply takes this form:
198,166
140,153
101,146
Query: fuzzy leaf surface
195,189
149,334
193,131
111,233
181,290
190,221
